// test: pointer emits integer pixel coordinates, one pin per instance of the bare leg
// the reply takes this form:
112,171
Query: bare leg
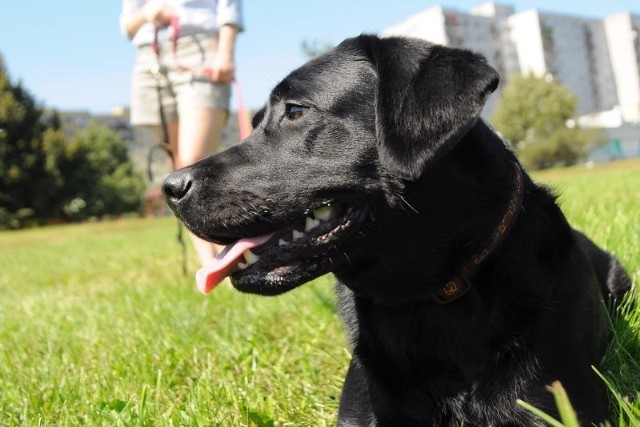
197,136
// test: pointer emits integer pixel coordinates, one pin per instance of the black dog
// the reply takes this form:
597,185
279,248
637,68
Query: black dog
462,286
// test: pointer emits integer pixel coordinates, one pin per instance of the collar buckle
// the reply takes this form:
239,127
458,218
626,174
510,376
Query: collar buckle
454,289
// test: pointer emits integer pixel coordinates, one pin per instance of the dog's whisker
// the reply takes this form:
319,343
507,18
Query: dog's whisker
348,259
406,203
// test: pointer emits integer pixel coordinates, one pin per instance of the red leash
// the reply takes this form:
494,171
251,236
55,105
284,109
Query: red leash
244,122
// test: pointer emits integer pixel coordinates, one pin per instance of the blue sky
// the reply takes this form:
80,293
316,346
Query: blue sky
71,56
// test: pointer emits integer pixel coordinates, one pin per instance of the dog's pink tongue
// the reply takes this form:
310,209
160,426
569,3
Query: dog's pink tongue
214,271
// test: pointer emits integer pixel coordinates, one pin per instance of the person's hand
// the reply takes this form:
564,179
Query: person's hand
157,13
222,68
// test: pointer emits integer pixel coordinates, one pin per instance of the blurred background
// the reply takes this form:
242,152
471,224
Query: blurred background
72,66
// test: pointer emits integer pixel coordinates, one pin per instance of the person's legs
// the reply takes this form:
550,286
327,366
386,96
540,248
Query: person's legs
172,132
199,133
202,111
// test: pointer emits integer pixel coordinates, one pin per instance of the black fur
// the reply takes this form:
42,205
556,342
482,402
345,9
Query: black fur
387,132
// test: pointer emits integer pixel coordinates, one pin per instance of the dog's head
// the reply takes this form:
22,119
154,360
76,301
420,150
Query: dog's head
331,154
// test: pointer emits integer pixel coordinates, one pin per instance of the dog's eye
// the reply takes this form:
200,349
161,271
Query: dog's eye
294,111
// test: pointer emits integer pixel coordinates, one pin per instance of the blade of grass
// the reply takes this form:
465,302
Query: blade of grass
567,413
540,414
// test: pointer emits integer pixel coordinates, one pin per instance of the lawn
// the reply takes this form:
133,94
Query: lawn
99,327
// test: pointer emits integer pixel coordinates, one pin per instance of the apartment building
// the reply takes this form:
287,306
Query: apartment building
479,31
598,60
557,45
483,30
623,41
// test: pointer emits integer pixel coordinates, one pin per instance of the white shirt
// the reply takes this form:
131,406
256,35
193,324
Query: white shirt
194,16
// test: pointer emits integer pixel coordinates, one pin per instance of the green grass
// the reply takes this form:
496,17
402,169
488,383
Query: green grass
98,327
604,202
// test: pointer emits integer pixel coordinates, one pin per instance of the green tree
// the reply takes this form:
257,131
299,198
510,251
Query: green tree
45,177
25,186
98,176
537,116
315,47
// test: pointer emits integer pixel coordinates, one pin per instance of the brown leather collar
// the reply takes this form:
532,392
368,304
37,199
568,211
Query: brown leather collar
459,285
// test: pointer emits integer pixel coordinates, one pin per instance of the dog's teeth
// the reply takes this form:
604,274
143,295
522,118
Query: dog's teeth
242,265
250,257
297,235
323,213
310,224
282,242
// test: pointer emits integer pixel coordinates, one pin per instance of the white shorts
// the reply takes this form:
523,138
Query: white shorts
179,89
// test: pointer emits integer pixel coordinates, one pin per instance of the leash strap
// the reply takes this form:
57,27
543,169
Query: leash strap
244,124
164,145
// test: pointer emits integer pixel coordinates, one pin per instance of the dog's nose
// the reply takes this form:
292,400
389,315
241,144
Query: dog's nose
177,185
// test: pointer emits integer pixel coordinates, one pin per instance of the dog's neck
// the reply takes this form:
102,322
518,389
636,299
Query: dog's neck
462,282
449,258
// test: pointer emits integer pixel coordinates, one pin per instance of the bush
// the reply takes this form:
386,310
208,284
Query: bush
563,147
44,177
98,178
534,114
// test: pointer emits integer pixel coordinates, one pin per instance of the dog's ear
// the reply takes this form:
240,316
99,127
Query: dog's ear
428,97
